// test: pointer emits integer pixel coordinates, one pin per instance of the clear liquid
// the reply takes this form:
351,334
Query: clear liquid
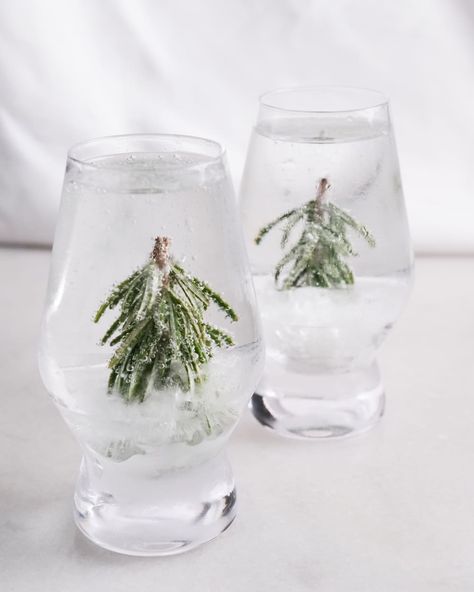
321,378
110,214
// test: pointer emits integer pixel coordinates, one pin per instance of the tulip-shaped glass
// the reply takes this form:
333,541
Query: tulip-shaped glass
329,245
150,343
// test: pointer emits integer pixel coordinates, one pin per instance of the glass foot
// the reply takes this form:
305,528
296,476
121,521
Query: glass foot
321,406
129,510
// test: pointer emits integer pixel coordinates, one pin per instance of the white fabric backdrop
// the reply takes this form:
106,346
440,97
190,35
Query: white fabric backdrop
74,69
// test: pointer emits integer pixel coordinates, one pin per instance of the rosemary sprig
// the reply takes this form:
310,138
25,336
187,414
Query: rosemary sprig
317,258
161,334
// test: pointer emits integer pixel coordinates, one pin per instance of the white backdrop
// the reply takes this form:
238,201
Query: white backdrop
74,69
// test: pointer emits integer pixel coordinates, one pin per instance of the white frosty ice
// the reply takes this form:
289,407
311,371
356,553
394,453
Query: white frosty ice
169,417
328,328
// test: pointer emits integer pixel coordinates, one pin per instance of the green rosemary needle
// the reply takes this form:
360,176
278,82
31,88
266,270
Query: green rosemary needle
318,256
161,334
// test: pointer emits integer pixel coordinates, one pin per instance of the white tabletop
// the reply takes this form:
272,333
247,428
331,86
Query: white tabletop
391,510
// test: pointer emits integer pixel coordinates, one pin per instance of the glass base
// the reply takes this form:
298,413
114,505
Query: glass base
318,406
130,511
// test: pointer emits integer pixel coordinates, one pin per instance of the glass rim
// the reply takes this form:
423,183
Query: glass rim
380,99
74,152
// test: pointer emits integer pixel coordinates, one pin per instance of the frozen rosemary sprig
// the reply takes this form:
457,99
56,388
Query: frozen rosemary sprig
317,258
161,334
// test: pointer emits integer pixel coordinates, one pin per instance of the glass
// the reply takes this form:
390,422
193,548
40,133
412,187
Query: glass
154,479
323,211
